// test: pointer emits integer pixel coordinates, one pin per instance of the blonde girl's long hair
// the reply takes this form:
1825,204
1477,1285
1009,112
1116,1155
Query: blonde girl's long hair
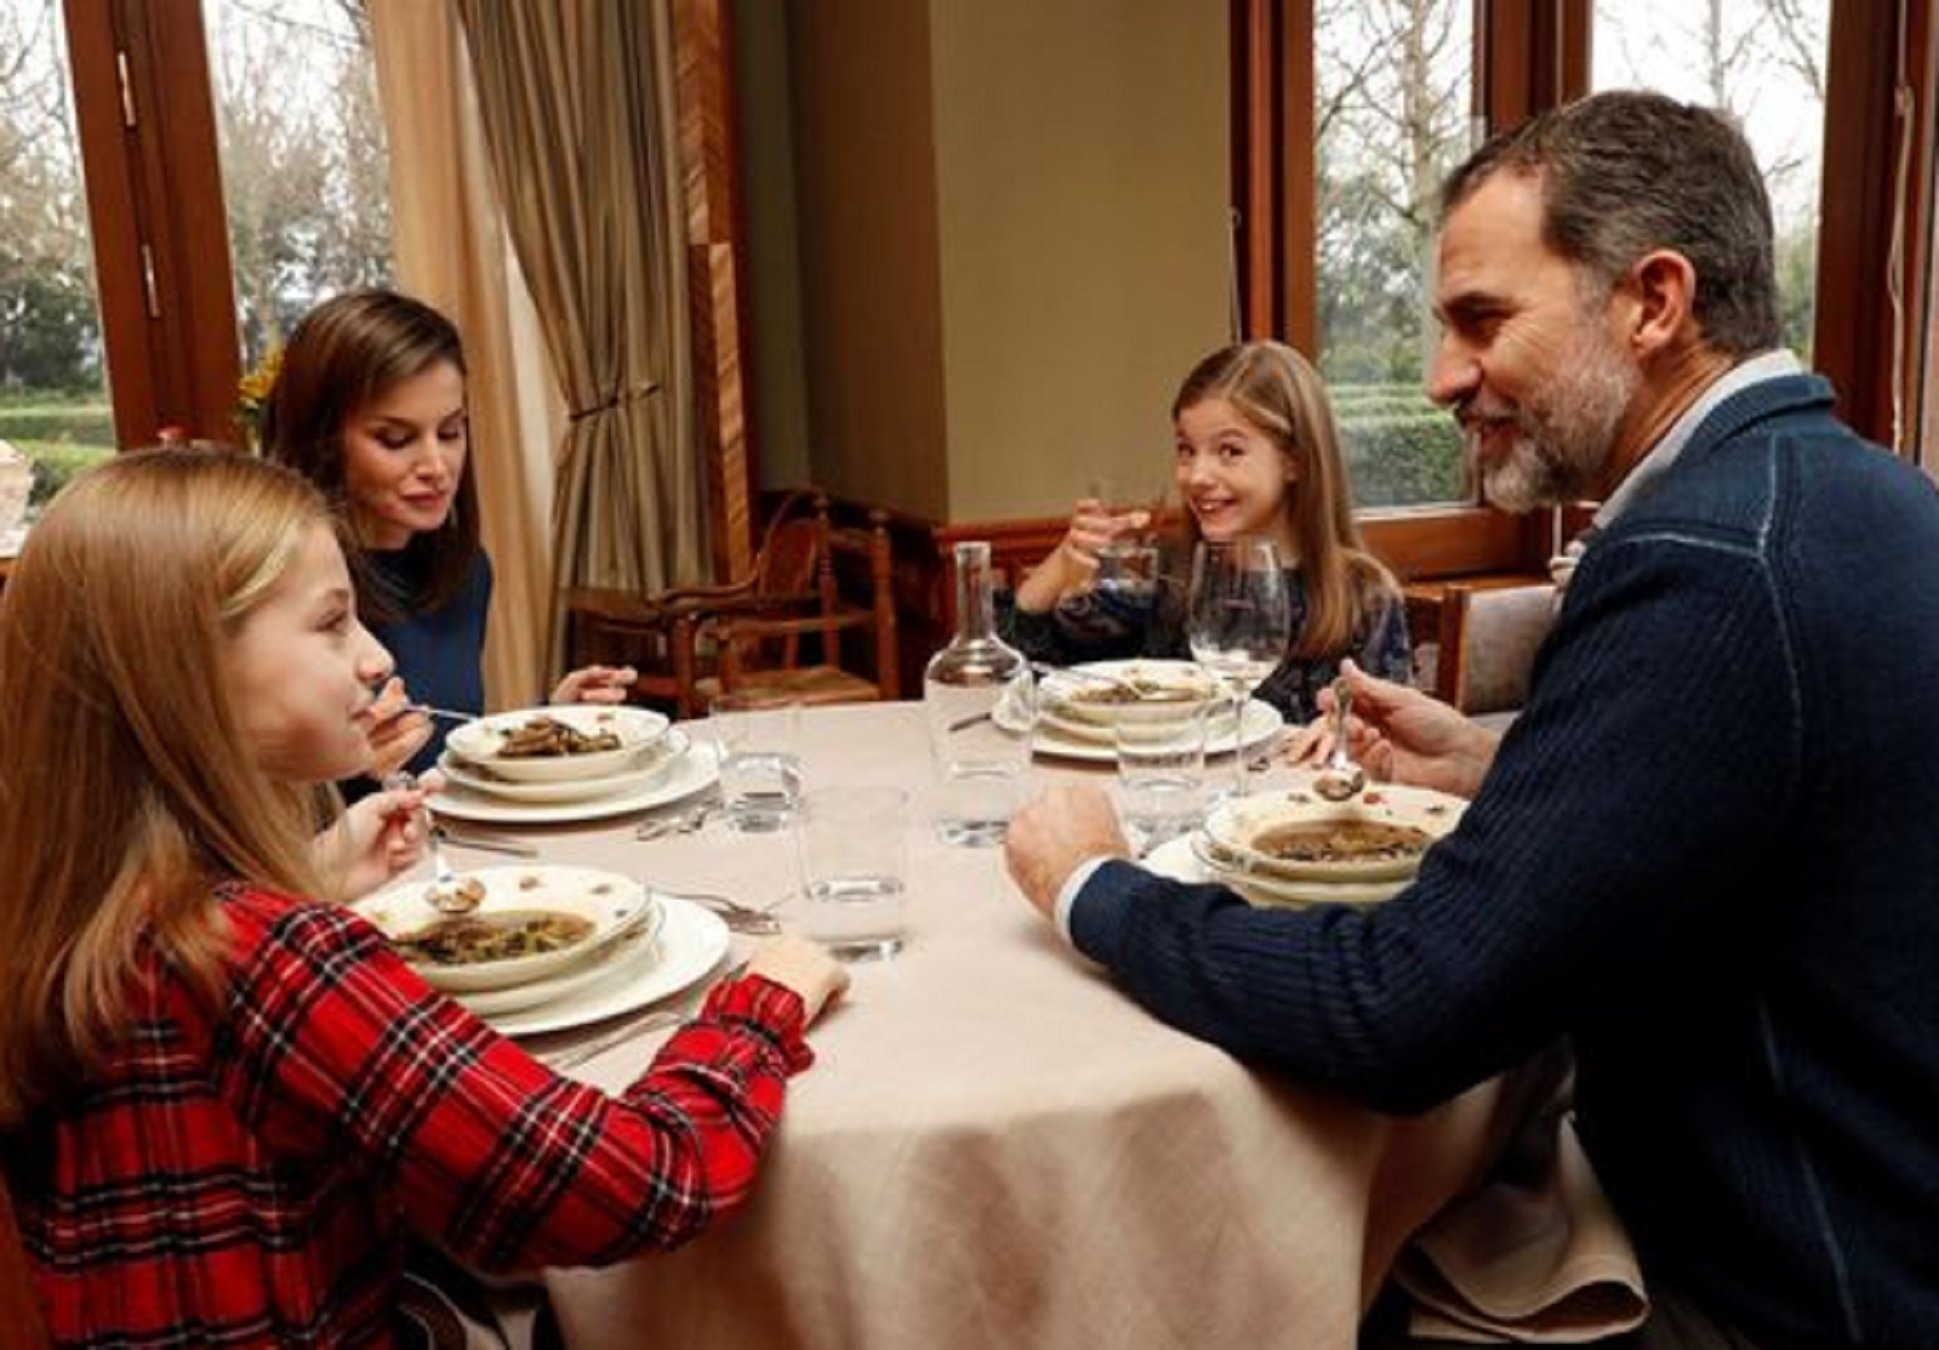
125,789
1277,390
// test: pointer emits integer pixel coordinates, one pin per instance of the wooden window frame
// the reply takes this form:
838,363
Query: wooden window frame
1535,54
145,117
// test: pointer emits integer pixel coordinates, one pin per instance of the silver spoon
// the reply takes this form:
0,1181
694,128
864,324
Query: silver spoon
1340,777
446,894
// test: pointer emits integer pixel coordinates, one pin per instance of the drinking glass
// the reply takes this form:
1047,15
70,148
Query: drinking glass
852,843
1126,580
760,760
1238,623
1161,771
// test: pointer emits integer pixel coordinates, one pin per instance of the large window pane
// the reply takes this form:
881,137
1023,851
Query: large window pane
1762,61
303,159
53,391
1394,88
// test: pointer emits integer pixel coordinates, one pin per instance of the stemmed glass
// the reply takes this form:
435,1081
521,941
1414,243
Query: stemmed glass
1238,622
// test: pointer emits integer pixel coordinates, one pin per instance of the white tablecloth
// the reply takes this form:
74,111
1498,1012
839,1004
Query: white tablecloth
999,1148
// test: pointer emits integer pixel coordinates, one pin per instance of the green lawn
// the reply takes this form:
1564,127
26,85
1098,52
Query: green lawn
61,436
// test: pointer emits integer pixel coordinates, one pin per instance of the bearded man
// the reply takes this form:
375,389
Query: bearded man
1707,851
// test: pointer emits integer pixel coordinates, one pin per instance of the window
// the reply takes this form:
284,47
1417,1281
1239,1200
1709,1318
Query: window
1314,216
53,394
302,148
1763,61
1393,93
304,200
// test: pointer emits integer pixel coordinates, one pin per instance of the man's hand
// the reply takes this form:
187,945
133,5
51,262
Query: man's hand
1403,736
1050,836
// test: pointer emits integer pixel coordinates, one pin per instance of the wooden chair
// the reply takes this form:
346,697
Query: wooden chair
20,1311
780,630
1488,639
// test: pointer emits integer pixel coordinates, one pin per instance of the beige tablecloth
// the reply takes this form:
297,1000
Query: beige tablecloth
999,1148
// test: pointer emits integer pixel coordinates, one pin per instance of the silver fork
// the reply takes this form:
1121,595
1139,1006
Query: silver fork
684,821
756,922
573,1056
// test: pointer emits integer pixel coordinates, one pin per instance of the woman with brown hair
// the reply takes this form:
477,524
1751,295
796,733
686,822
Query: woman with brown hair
1257,454
369,404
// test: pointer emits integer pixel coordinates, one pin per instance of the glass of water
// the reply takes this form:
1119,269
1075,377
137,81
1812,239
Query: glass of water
1161,771
1126,581
853,847
760,760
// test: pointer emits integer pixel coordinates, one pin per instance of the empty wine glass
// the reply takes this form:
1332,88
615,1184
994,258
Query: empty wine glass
1238,622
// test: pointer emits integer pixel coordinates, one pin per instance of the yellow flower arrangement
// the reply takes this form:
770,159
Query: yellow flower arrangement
252,395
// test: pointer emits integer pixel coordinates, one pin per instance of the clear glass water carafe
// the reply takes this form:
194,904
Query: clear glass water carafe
981,704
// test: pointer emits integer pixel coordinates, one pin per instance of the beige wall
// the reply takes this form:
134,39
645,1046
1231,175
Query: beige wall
1083,187
1012,242
865,178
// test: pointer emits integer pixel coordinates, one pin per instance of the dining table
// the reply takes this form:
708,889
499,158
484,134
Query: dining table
996,1146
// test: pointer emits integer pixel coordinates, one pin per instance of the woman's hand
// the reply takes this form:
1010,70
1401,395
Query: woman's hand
375,839
1073,563
398,730
802,966
595,684
1402,736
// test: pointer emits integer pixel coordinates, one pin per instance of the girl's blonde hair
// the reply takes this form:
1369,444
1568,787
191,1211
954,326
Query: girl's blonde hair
126,789
1275,389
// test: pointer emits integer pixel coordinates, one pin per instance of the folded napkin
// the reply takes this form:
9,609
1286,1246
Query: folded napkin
1535,1255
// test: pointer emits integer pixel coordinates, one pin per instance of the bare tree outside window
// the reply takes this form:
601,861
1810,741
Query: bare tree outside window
53,397
1762,62
303,158
1393,87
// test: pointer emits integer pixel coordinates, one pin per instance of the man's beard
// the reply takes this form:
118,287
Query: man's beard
1563,432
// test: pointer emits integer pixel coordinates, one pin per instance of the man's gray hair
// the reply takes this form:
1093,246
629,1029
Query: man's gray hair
1626,172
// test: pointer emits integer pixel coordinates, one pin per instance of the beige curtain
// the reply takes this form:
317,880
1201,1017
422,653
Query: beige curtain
577,100
452,251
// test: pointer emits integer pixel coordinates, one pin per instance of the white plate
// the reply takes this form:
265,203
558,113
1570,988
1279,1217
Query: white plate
1262,722
607,900
1177,859
1063,691
1271,890
691,944
694,771
1218,724
637,729
478,779
1234,826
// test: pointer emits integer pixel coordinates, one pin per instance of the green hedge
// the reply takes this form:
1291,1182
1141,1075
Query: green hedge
1403,459
89,424
55,463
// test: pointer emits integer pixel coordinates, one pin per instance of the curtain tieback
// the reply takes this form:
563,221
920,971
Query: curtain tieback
626,395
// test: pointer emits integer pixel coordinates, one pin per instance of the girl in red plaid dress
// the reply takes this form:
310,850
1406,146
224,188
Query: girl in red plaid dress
223,1098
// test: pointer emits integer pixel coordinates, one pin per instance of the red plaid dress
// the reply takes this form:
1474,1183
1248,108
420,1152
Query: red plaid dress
244,1179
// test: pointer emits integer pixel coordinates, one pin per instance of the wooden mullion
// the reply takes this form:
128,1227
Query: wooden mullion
1532,55
114,217
156,216
1298,165
1852,343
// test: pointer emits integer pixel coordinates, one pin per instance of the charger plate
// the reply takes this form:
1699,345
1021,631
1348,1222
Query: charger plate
1261,723
696,770
692,943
